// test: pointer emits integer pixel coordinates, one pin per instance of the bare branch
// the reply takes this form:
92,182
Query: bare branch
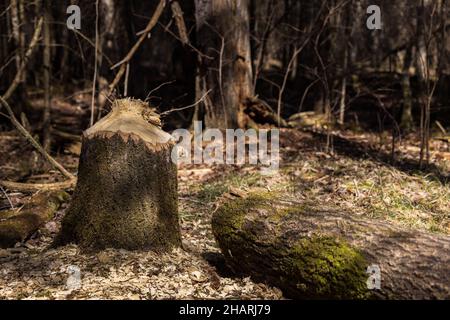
35,144
18,77
187,107
151,24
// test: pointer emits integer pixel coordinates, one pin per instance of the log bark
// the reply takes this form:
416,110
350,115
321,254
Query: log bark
126,193
223,35
315,254
18,225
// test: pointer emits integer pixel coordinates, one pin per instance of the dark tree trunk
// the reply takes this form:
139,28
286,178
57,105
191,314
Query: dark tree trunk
223,35
325,254
126,194
407,118
46,121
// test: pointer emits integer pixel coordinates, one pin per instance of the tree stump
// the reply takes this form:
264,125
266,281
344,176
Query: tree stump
321,253
126,193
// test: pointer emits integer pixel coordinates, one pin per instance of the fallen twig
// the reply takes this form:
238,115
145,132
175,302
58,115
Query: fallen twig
444,132
32,187
7,197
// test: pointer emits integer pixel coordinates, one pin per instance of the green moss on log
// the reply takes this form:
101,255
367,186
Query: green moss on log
311,267
19,225
231,215
324,267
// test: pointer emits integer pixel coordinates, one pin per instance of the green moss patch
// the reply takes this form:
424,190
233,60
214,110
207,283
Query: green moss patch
231,215
324,267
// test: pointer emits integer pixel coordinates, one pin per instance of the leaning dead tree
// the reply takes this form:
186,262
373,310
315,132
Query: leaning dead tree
312,253
126,193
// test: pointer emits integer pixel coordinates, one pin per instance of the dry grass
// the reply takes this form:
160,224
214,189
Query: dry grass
369,189
358,186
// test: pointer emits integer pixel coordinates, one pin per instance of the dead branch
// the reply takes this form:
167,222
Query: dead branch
146,31
7,197
157,88
33,187
35,144
197,51
47,57
179,21
26,58
165,113
94,80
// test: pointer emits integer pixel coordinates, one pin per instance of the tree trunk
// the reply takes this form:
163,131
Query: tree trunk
126,194
443,83
324,253
46,122
17,32
407,119
223,35
343,89
346,36
15,24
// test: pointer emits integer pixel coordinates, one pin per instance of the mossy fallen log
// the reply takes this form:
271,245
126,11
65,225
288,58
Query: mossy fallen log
126,192
320,254
18,225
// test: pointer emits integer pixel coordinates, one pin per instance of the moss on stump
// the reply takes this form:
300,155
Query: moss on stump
126,194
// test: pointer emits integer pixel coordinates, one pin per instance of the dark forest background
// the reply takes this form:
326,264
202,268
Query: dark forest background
299,56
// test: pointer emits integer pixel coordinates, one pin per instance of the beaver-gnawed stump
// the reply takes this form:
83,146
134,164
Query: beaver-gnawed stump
126,193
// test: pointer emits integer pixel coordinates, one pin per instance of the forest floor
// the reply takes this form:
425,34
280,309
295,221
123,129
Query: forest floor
356,176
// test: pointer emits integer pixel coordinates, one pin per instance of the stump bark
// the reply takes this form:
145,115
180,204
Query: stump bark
126,193
315,254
